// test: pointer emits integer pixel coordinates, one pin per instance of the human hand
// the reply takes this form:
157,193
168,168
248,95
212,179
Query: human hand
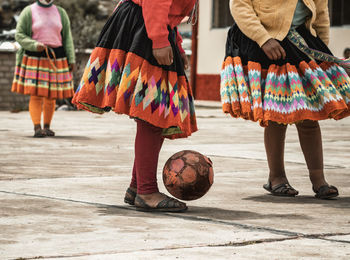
273,50
184,60
164,56
72,67
40,47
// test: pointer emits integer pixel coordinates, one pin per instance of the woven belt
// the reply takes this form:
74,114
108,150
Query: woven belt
295,38
47,49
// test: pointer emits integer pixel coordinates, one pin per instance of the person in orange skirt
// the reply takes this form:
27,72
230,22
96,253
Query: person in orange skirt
45,61
278,70
137,69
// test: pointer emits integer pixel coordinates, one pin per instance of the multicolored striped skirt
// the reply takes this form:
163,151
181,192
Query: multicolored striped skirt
284,91
122,75
39,75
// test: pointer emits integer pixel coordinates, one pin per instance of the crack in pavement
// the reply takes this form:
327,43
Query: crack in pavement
229,244
174,215
195,218
335,240
288,234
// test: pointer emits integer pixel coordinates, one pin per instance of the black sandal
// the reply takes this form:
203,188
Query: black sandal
324,192
129,197
167,205
282,189
39,133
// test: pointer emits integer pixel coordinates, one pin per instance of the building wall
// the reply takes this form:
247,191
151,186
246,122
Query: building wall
339,40
211,51
211,42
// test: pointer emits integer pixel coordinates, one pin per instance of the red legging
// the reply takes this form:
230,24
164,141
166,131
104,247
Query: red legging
148,143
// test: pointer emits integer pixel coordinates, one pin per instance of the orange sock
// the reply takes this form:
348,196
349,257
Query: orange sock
35,109
49,109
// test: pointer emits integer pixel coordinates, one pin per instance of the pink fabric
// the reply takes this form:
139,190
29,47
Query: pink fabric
46,25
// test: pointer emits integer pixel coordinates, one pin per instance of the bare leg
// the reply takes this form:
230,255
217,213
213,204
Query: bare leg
274,139
310,139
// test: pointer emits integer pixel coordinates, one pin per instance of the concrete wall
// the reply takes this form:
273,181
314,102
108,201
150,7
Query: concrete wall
16,102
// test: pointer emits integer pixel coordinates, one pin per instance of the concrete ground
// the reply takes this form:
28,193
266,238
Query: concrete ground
62,197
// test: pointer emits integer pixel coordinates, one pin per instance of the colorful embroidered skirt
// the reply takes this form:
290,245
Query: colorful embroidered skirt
285,91
37,76
122,75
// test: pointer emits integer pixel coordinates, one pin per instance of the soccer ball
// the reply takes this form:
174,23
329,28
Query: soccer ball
188,175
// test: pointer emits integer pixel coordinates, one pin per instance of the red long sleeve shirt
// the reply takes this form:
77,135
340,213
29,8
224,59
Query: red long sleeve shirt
158,14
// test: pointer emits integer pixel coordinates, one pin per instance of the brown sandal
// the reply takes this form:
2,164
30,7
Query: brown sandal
283,189
167,205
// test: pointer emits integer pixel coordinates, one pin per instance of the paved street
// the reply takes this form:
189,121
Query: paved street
62,197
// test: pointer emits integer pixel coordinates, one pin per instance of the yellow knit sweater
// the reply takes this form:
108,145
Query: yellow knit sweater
262,20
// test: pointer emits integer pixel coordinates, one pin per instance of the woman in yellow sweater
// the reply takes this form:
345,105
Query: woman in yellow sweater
278,70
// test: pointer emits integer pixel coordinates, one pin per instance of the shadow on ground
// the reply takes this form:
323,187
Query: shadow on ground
67,137
199,212
339,202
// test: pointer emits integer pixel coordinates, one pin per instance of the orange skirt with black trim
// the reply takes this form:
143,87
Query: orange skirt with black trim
37,76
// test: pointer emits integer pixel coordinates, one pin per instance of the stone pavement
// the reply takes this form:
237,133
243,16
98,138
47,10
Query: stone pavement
62,197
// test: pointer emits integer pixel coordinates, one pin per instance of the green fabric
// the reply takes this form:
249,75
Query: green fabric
301,14
93,109
24,35
40,4
171,131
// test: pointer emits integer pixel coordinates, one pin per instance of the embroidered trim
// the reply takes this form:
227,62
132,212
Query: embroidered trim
194,14
295,38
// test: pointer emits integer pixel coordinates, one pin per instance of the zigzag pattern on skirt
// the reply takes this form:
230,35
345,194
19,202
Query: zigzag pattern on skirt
128,84
284,94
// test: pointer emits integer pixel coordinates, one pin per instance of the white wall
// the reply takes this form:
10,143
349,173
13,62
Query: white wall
339,40
211,42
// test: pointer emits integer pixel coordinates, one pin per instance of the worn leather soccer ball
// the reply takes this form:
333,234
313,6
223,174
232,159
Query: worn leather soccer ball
188,175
